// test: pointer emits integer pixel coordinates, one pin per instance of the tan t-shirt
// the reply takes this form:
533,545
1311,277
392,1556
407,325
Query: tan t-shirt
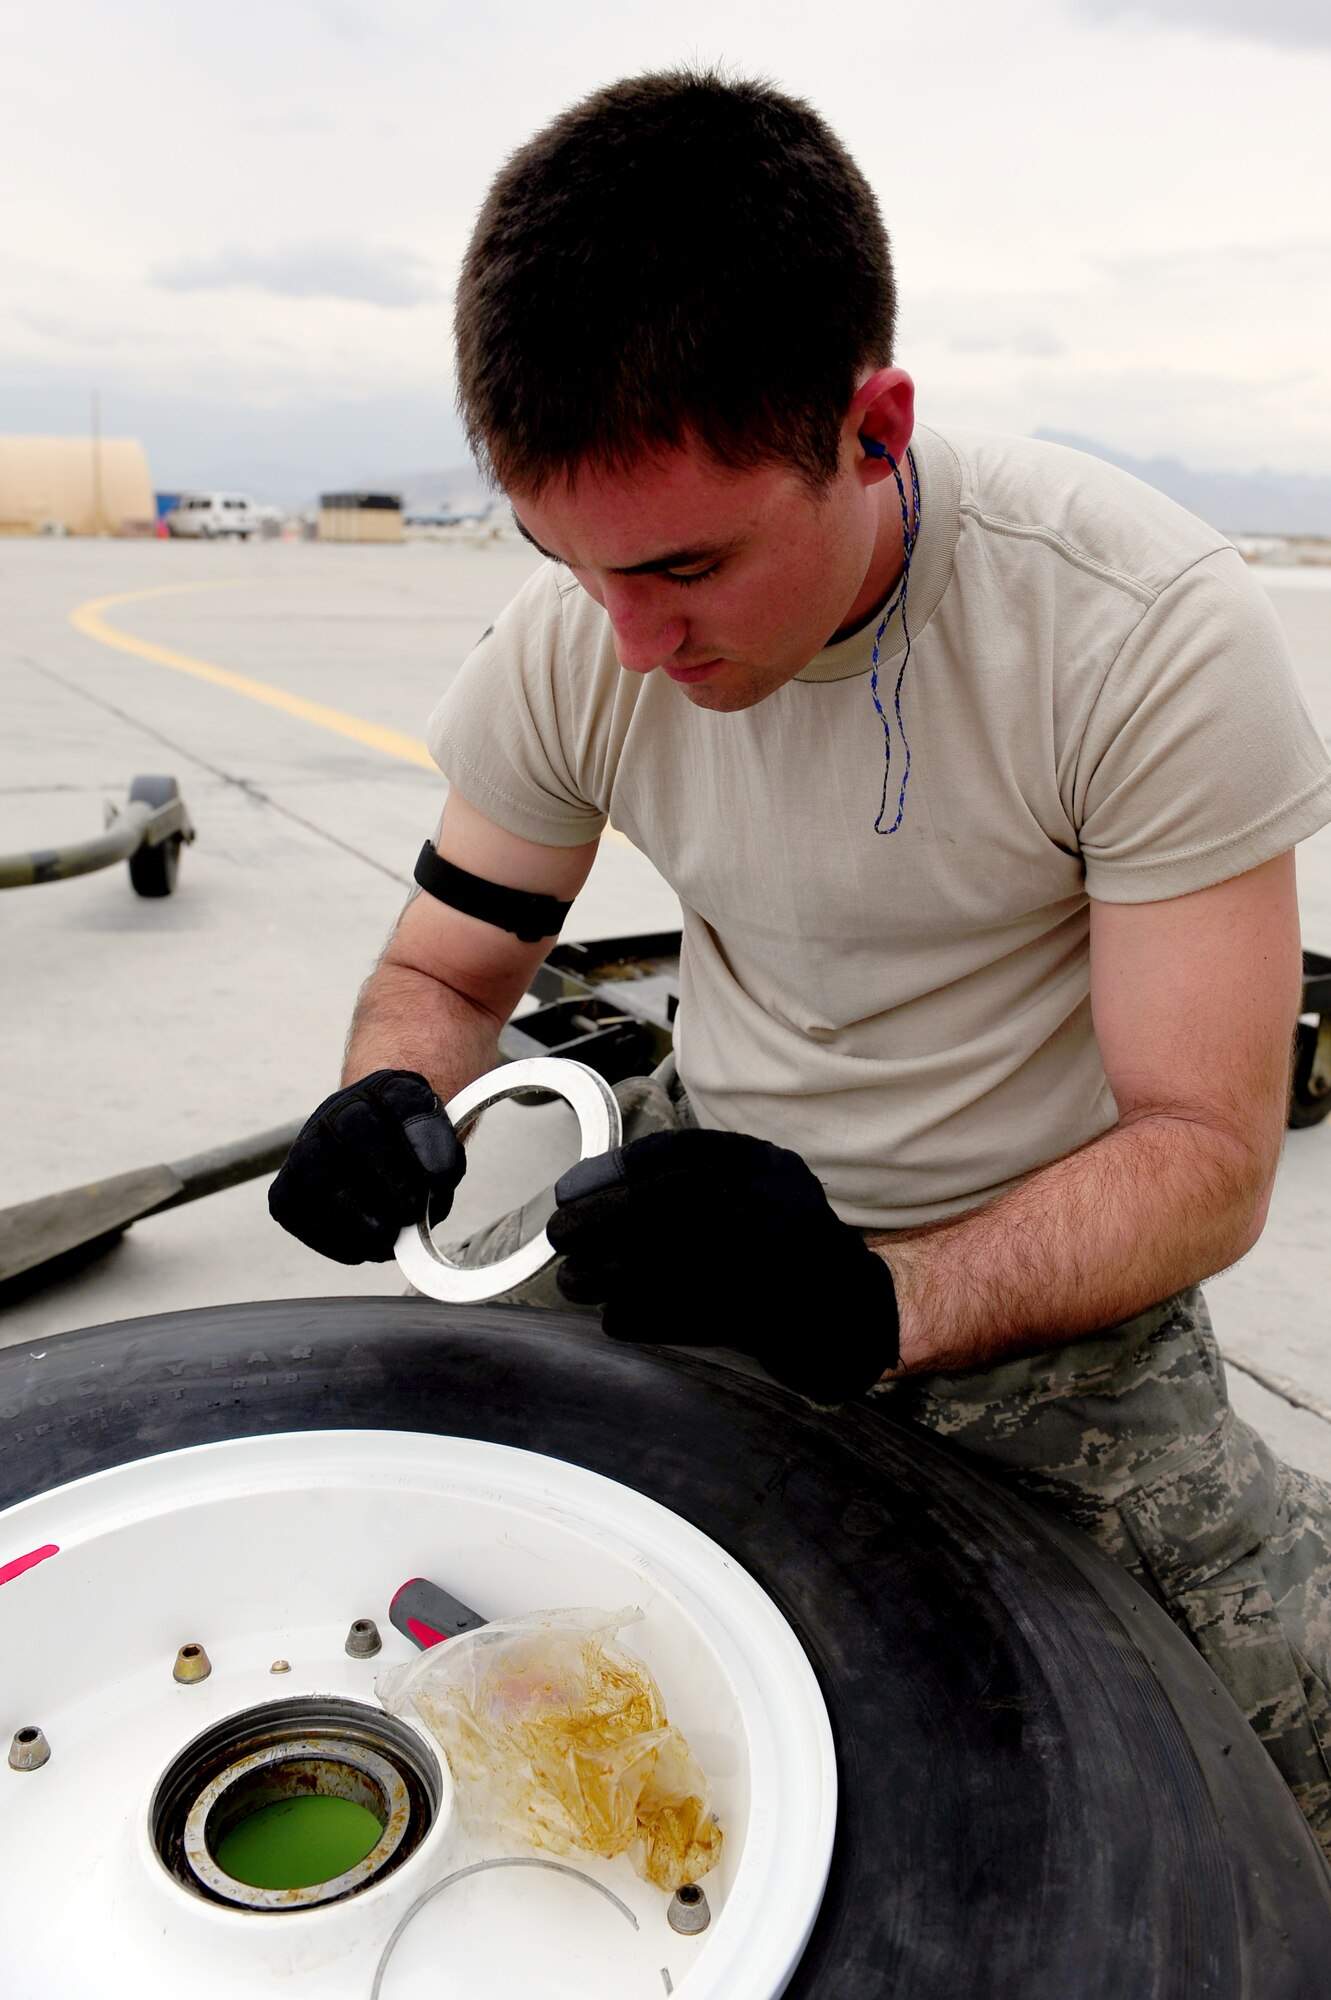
1099,701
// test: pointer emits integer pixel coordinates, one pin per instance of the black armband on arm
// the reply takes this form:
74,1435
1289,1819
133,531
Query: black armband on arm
529,917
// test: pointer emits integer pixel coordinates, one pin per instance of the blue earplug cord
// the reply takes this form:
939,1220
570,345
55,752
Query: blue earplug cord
909,537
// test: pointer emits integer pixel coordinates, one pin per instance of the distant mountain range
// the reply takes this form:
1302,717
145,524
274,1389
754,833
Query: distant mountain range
1238,503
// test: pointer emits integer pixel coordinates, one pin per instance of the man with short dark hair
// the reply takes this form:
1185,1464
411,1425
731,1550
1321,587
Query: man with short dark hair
977,768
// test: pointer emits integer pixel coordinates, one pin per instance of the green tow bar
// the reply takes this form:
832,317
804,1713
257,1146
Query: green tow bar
148,832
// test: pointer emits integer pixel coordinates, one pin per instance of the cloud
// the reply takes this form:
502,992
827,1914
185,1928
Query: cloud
1035,342
75,332
371,274
1290,24
345,19
1220,268
289,125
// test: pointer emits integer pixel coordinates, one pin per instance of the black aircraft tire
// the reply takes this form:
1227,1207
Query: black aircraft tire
1043,1794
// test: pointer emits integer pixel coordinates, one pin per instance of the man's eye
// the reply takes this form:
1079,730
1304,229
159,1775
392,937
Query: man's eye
693,576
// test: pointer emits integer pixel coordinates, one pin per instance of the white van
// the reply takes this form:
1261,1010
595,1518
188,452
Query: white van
211,514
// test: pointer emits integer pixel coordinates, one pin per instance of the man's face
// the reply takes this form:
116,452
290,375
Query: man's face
728,582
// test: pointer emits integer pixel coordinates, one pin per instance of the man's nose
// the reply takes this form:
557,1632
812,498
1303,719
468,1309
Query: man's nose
646,630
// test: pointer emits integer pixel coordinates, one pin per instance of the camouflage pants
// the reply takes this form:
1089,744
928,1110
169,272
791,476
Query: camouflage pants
1129,1435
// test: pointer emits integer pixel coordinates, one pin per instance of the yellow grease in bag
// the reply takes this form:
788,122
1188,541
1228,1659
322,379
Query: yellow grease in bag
557,1735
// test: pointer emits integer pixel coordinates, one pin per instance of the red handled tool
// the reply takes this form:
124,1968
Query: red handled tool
428,1614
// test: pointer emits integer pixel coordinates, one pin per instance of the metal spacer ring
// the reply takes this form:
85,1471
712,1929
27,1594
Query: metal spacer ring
600,1129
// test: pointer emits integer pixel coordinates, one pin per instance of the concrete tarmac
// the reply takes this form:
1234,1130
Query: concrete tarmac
139,1031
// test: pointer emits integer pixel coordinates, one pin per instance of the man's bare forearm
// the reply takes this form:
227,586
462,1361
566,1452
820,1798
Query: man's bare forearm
405,1019
1151,1206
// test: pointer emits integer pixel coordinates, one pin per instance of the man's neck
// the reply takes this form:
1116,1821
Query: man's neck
885,564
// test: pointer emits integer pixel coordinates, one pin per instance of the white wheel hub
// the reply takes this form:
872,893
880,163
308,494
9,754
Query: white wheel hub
263,1551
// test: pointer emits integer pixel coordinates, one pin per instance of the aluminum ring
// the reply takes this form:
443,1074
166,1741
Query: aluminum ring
600,1129
357,1761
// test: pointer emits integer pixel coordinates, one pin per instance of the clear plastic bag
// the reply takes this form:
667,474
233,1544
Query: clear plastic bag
557,1736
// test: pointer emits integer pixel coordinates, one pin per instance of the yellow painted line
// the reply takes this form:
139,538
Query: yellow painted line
87,618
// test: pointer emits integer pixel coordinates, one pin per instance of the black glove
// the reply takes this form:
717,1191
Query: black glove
717,1239
367,1163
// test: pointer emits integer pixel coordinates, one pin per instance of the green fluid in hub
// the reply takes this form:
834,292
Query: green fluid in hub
294,1843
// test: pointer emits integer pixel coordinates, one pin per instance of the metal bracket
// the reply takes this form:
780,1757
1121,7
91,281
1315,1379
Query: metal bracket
154,824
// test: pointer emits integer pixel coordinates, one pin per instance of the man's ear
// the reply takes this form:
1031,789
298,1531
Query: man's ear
881,414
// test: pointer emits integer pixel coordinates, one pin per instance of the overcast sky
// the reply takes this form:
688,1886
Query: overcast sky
242,222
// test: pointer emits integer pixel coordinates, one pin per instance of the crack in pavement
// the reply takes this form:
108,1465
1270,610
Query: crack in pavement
1279,1385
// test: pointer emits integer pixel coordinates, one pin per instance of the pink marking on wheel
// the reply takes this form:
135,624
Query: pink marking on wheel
9,1570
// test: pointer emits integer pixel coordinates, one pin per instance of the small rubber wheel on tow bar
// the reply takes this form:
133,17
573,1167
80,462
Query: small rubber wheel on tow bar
1042,1791
153,870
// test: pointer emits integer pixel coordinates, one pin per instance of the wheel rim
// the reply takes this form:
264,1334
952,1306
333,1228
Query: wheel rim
1042,1791
264,1550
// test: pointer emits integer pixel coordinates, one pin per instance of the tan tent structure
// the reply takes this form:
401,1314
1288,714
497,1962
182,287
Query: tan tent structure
360,517
87,486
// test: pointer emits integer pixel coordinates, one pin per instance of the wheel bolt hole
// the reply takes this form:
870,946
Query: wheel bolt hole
688,1913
